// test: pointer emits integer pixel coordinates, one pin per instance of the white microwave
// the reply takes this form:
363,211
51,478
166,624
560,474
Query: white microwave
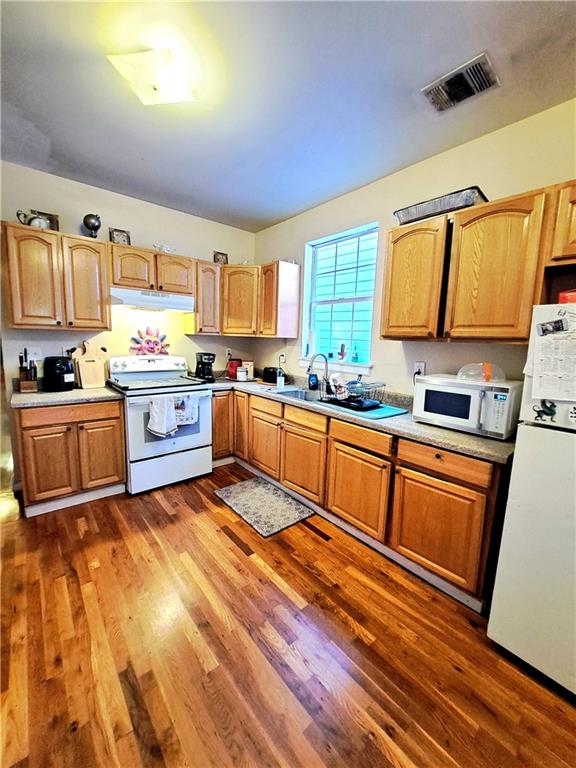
481,407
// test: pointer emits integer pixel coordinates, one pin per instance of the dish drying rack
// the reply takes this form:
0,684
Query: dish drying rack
360,390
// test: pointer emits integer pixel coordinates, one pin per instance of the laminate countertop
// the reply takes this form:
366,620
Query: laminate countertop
497,451
71,397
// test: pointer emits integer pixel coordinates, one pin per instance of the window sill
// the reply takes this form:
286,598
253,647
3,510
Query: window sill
338,366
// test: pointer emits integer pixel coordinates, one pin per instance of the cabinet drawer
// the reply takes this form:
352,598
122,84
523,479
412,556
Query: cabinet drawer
265,406
306,418
460,467
68,414
369,439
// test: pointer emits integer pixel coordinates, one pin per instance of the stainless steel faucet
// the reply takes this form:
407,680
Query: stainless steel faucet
309,369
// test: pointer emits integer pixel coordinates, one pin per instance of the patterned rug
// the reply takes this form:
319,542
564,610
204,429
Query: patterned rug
263,506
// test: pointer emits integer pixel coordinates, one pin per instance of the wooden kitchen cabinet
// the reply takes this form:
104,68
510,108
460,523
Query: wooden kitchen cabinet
34,264
265,435
101,451
84,443
241,424
564,242
175,274
413,279
357,488
493,268
303,453
133,267
240,299
279,305
208,297
439,525
50,466
222,424
86,286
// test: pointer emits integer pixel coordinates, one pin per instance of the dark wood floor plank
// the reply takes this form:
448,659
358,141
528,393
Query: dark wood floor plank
161,630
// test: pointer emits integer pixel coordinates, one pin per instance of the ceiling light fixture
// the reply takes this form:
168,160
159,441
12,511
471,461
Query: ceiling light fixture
154,76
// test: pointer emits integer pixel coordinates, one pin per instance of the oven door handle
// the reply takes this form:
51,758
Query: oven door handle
138,402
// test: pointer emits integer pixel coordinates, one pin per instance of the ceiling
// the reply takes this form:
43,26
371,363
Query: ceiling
298,102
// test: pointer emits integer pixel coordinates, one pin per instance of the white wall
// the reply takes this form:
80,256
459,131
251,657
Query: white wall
25,188
535,152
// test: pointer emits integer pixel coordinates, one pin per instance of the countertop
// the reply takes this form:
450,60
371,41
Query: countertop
71,397
402,426
498,451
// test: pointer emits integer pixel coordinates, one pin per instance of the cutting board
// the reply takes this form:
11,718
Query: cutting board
90,366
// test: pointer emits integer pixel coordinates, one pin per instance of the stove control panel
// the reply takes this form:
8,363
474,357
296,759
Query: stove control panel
147,364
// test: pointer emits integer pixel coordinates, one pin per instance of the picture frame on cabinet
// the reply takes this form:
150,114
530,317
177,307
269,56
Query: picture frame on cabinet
119,236
220,257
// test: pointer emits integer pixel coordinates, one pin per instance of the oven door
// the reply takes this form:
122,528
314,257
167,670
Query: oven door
453,406
142,444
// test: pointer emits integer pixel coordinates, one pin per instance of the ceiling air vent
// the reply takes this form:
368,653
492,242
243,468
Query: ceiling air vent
475,76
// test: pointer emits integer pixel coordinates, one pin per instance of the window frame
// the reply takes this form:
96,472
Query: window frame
307,300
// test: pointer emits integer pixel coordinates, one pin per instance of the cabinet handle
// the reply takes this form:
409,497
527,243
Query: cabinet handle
430,334
70,322
58,322
160,288
81,426
447,334
199,329
151,285
437,455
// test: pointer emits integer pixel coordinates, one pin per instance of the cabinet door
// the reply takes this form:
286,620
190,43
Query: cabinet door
494,260
86,286
175,274
208,297
264,447
564,245
241,418
133,268
222,424
358,488
438,525
50,462
35,275
413,279
303,461
101,445
239,300
268,314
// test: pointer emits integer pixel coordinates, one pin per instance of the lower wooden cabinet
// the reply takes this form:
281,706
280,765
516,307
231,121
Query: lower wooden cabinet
303,461
241,419
50,462
101,450
357,489
222,424
265,442
438,525
67,449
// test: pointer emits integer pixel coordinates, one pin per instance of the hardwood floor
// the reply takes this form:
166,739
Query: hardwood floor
162,630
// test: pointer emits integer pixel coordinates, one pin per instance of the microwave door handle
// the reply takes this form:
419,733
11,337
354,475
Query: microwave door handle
481,402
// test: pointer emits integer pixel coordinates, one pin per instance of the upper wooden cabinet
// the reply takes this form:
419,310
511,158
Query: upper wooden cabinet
279,300
175,274
413,279
132,267
564,243
86,287
208,297
56,280
240,299
493,269
35,276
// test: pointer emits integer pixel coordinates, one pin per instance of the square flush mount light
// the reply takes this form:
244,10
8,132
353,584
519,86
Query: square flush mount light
154,76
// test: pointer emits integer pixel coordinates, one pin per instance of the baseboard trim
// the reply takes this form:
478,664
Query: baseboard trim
449,589
223,462
71,501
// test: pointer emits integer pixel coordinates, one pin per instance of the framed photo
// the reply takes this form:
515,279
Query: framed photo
220,258
119,236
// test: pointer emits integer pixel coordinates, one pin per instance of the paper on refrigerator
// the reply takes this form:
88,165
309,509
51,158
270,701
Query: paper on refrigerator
551,358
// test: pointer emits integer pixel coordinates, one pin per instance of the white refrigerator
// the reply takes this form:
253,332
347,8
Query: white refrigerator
533,612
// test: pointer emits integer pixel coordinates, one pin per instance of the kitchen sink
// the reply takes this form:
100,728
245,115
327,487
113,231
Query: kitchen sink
303,394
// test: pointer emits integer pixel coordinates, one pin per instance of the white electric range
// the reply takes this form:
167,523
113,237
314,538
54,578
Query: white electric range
151,460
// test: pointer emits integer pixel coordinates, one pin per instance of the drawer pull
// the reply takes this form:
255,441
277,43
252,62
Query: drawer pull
437,455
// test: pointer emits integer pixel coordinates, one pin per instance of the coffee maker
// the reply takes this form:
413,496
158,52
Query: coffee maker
204,363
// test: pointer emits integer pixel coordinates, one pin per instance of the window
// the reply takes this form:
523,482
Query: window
339,295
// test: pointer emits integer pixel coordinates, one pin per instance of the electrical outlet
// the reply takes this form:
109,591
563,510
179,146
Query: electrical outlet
34,353
228,353
282,357
419,368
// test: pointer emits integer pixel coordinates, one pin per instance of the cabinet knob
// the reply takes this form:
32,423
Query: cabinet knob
151,285
81,426
437,455
430,334
447,334
58,322
70,322
200,328
160,288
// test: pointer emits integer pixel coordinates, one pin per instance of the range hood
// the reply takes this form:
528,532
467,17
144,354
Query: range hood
157,300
